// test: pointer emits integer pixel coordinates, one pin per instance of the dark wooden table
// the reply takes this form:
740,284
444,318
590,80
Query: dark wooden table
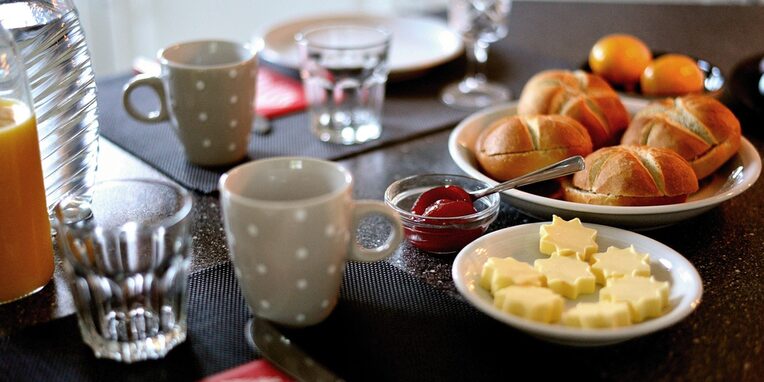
722,340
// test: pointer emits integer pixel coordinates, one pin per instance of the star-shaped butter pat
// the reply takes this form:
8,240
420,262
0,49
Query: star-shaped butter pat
567,238
499,272
567,276
530,302
601,314
646,296
618,262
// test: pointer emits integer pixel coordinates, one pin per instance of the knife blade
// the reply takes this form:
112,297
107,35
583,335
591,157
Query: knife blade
280,351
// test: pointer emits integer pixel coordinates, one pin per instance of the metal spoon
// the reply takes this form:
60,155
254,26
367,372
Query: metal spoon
555,170
280,351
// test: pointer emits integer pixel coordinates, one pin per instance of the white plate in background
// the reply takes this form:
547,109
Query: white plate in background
725,184
419,43
522,243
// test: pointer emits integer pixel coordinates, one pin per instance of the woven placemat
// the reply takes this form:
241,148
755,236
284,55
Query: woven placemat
387,326
411,109
373,295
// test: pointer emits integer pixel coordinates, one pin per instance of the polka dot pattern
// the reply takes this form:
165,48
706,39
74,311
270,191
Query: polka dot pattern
293,268
261,269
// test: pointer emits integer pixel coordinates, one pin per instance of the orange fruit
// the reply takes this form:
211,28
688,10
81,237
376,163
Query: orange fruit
672,75
620,59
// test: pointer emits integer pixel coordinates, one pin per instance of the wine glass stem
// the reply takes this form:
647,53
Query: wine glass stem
477,55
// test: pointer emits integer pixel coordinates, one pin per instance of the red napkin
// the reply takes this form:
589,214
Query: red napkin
255,371
277,94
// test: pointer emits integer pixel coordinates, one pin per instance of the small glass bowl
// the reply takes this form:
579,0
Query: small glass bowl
441,235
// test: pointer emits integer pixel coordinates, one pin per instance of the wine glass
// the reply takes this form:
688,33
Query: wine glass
480,23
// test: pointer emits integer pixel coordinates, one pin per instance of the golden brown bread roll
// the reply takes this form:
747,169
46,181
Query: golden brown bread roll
699,128
585,97
516,145
632,176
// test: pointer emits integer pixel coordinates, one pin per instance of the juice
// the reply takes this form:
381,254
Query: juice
26,250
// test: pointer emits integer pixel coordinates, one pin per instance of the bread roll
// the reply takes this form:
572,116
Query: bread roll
517,145
632,176
699,128
584,97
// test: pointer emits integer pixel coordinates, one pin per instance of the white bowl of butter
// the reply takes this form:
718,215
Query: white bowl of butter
522,243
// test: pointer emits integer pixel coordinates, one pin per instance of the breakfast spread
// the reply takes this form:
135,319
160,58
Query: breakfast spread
585,97
566,276
620,262
449,208
629,295
517,145
444,219
498,273
568,238
632,176
444,201
699,128
531,302
623,167
602,314
646,296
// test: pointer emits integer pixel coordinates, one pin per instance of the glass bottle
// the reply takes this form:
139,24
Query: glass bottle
26,251
53,46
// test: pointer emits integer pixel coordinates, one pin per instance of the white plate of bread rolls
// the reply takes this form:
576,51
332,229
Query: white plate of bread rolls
648,165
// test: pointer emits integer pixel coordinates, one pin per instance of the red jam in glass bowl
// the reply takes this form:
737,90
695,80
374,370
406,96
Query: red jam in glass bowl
444,219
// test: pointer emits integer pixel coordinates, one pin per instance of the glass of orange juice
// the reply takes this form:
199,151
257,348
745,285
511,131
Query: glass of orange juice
26,251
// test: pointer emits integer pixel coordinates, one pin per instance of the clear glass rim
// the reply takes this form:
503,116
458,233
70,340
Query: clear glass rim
421,221
303,37
185,205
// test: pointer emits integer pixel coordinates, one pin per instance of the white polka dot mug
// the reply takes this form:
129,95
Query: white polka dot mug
291,224
207,90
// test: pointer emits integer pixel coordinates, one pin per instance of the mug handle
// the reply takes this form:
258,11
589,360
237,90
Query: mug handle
363,208
154,83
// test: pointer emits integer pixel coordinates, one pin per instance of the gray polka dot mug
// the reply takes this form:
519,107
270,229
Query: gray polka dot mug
207,90
291,225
